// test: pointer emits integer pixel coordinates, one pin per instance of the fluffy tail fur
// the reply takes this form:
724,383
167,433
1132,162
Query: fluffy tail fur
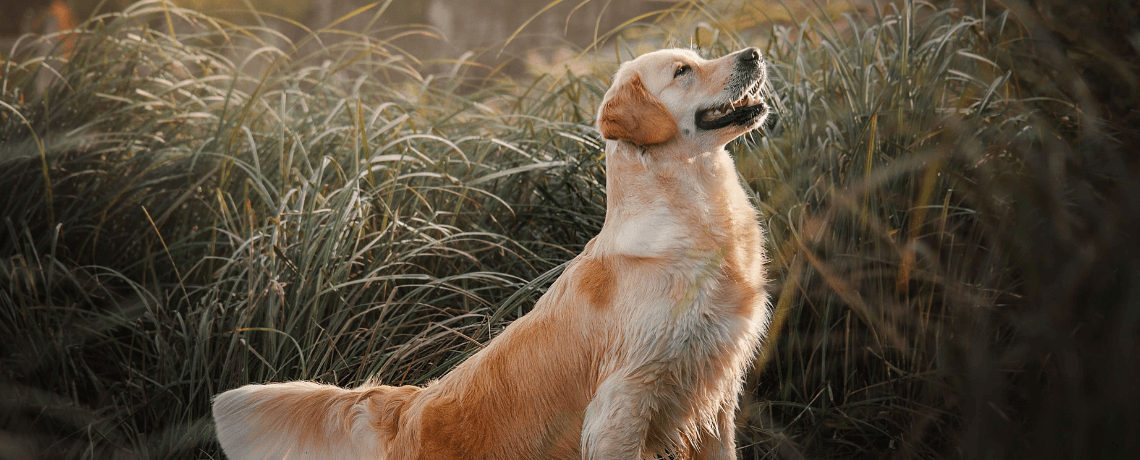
309,421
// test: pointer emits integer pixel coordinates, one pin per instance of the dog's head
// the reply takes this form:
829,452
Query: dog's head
672,93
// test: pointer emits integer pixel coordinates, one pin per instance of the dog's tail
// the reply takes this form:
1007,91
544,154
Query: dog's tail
309,421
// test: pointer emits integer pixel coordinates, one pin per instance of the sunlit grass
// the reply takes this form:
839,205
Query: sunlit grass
183,213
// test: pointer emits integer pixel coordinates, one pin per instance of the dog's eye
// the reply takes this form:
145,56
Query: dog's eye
682,70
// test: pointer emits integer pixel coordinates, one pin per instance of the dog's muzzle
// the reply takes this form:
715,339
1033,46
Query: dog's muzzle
744,87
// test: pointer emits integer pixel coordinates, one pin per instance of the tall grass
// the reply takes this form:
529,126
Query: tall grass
943,194
175,227
189,205
882,222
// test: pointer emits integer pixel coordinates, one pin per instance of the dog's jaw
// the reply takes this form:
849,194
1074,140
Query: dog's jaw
745,110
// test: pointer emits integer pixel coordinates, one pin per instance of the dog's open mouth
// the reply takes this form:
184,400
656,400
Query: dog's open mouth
743,111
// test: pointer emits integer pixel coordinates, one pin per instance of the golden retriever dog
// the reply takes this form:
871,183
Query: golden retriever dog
638,349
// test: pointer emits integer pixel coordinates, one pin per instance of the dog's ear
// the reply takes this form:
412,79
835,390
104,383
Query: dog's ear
630,113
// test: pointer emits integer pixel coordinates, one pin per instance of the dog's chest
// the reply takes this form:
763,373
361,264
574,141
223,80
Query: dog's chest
701,298
697,352
703,322
689,315
649,233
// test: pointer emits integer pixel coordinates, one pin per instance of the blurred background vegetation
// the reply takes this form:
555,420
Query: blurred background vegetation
195,196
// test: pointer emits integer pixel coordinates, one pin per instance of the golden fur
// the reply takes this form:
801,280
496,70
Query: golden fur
638,349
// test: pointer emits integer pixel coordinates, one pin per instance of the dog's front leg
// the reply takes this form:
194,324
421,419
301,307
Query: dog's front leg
721,445
616,421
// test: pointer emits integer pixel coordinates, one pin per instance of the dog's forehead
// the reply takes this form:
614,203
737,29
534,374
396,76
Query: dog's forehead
662,59
656,67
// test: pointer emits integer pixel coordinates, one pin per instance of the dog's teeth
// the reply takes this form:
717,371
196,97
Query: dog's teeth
720,112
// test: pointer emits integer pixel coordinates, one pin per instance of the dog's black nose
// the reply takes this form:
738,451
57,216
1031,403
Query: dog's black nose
749,55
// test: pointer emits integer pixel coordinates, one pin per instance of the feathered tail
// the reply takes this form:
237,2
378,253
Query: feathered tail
309,421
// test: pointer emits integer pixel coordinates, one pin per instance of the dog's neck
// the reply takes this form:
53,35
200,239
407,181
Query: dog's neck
670,197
